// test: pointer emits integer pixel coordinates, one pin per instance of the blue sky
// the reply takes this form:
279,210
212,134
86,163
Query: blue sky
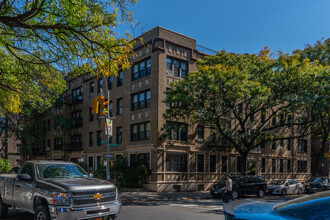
241,26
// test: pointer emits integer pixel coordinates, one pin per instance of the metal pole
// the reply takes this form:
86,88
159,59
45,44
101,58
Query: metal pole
108,143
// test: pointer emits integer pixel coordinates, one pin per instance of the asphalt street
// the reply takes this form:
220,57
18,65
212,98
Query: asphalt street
158,206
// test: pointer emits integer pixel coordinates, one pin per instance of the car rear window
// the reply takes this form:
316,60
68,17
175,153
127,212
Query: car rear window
302,200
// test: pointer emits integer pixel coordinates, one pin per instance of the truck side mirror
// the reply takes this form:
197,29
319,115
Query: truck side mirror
24,177
287,184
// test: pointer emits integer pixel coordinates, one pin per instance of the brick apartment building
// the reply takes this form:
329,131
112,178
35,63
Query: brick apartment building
188,163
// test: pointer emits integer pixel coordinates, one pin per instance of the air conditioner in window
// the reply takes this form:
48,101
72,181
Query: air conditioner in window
47,149
281,148
200,140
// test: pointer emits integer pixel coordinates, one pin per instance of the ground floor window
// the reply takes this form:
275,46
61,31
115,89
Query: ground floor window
213,163
136,159
273,165
176,162
263,165
200,163
302,166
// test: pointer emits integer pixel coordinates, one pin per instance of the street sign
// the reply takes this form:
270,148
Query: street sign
104,142
108,156
114,145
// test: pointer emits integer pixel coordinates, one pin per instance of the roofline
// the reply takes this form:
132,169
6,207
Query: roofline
176,32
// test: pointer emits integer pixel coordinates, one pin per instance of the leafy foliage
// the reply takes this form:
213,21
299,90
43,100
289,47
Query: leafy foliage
232,92
41,41
126,176
5,165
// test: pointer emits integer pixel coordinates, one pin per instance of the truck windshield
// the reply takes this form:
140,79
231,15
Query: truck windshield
45,171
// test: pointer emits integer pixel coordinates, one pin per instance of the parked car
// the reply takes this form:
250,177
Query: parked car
244,185
316,184
286,186
58,190
311,207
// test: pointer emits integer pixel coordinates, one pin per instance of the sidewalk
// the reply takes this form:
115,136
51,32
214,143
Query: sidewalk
147,196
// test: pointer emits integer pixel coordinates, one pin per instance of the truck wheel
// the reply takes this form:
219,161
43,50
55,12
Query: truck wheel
3,209
41,213
234,194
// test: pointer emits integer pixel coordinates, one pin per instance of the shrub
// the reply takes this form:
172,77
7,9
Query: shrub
5,165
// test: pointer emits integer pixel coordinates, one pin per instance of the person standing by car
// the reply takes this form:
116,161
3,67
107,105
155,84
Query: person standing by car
228,189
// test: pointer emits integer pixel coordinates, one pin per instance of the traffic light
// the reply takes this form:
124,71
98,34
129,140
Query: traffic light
95,105
104,106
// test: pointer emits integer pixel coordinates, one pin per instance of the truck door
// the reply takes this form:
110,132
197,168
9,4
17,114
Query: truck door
23,190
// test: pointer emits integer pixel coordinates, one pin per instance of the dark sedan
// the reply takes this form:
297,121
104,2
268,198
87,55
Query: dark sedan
316,184
311,207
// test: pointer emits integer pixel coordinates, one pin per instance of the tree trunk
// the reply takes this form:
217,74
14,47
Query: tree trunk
319,156
243,163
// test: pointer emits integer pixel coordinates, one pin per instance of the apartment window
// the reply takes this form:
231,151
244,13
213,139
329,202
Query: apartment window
263,117
142,158
302,145
290,117
282,119
98,161
141,69
119,106
289,141
288,166
91,115
224,164
58,144
77,95
273,165
252,117
140,131
281,165
110,82
48,143
90,164
273,145
99,85
302,166
91,89
200,163
240,109
238,164
119,135
140,100
200,132
176,66
178,131
176,162
76,118
213,163
111,109
98,138
120,78
274,120
263,165
282,143
76,142
90,142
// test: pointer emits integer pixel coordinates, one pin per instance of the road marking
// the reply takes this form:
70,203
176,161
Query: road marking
198,206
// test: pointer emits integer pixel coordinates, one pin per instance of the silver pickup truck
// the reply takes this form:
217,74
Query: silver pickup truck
58,190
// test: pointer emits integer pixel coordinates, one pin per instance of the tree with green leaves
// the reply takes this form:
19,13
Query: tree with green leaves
44,41
247,99
318,95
